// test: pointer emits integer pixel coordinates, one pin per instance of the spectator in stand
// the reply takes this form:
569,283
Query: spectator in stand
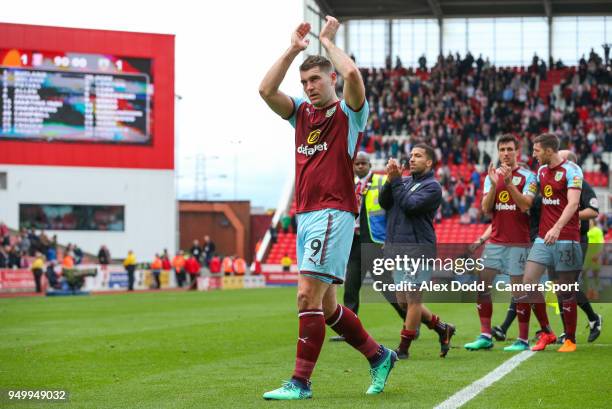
178,263
38,265
285,222
240,266
14,257
228,266
286,262
51,275
156,267
192,267
130,266
273,234
215,264
5,237
34,242
165,259
4,256
68,261
293,222
476,179
24,242
51,253
45,242
422,63
104,257
209,249
196,250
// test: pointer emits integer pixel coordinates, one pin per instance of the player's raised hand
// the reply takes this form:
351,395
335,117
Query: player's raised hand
506,173
298,37
393,170
330,29
492,175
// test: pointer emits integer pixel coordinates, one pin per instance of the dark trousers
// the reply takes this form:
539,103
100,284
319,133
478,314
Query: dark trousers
130,272
354,279
157,283
37,276
194,281
180,277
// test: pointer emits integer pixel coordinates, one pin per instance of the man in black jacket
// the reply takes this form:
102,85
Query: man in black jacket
367,188
411,204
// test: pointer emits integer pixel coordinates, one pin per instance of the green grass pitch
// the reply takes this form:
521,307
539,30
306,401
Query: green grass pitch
224,349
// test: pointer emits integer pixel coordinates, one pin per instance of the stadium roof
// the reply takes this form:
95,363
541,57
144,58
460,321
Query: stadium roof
370,9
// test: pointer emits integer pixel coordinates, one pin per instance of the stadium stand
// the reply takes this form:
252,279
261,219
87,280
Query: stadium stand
461,105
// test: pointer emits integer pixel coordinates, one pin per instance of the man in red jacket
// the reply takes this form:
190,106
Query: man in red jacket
192,267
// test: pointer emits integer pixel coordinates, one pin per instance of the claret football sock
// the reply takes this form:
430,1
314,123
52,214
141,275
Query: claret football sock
485,312
570,316
347,324
523,313
310,341
436,324
406,338
539,309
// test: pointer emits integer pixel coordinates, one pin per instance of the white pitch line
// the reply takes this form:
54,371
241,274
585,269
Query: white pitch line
469,392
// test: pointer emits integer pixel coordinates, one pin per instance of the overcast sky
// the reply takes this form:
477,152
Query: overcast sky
223,49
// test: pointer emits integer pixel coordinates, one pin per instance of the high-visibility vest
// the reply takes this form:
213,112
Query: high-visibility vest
375,214
228,266
239,266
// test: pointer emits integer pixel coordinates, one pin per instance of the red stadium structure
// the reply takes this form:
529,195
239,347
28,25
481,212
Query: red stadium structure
88,133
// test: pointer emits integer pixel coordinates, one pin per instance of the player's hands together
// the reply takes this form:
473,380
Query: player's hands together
393,170
329,30
492,175
299,42
552,235
506,173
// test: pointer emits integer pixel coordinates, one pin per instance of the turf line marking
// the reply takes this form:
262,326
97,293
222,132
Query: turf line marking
469,392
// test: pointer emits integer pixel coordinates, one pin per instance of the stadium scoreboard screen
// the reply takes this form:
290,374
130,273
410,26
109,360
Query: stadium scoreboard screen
75,97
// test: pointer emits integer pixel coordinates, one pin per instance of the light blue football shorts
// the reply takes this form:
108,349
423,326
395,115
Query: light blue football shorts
505,259
564,255
324,239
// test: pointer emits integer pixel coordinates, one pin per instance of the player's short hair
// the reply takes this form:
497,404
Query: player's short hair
508,138
313,61
364,155
429,152
548,140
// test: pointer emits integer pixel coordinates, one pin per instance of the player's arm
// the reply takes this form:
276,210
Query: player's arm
588,203
524,200
268,89
385,198
421,200
588,214
490,186
481,239
573,199
354,89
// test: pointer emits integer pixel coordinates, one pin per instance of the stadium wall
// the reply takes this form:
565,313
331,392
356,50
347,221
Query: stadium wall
226,222
146,194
